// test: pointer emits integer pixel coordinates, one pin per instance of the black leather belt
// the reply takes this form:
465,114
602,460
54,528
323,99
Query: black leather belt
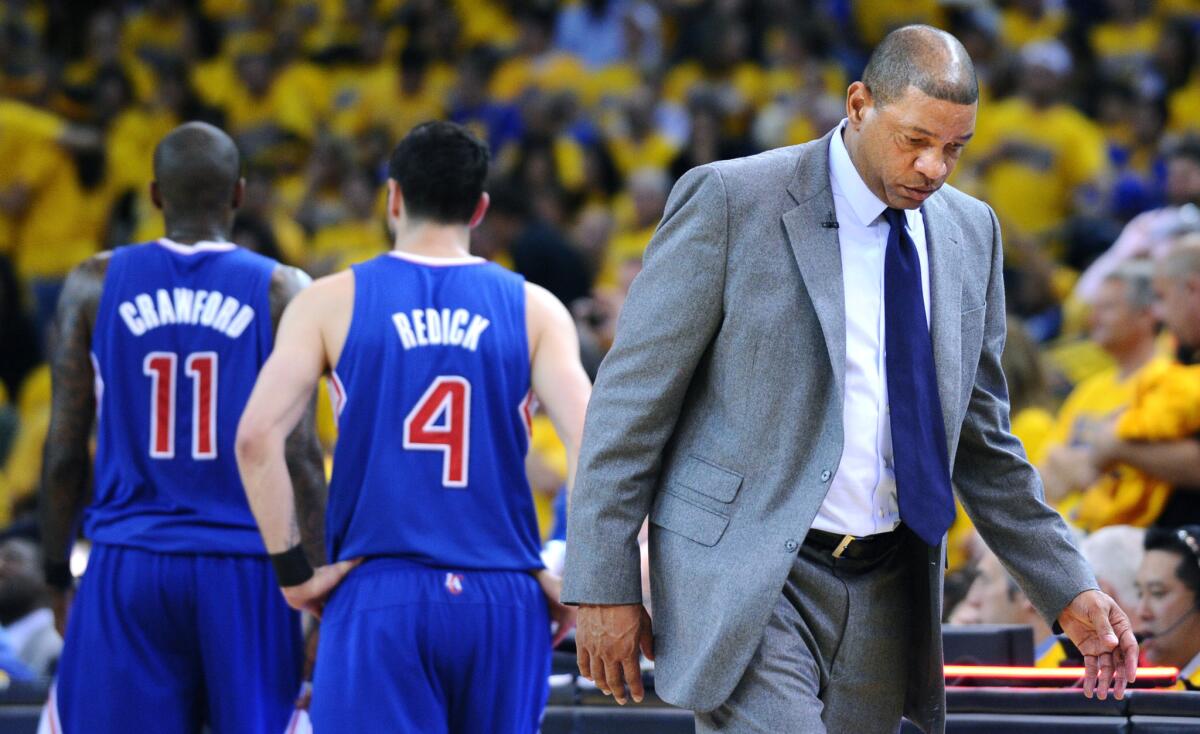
866,548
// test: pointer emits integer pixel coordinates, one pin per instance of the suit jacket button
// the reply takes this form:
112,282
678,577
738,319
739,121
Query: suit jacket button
790,545
825,475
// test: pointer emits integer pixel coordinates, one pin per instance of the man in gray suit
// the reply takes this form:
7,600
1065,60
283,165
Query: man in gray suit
809,358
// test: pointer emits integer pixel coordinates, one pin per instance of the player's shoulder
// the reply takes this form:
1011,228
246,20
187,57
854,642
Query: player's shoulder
542,308
329,290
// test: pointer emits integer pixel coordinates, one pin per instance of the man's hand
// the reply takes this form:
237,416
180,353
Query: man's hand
607,643
1103,634
310,596
562,615
60,602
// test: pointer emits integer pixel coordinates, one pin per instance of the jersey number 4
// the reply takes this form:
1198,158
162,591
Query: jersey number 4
441,421
201,367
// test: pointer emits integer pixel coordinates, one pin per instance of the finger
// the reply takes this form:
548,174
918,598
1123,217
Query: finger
1090,670
1129,651
600,675
583,660
646,637
633,676
612,672
1119,681
1106,674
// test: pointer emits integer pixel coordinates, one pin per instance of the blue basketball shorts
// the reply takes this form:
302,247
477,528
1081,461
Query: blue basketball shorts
409,648
168,643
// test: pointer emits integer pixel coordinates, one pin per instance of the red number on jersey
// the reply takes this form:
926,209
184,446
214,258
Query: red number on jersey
202,368
441,421
160,367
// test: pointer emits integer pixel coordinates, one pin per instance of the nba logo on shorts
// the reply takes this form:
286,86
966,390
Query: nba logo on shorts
454,583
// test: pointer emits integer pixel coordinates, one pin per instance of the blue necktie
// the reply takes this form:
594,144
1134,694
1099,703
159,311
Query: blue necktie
919,456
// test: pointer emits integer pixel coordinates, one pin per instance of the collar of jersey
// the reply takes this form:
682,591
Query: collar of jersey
436,261
201,246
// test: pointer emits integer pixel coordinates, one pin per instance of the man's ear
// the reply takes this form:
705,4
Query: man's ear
395,199
239,193
858,102
480,210
155,195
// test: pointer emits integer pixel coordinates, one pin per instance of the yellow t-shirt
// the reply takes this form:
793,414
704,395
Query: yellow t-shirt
1051,153
874,19
54,233
1117,42
654,151
1018,29
623,248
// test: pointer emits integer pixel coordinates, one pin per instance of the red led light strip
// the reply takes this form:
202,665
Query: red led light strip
1064,674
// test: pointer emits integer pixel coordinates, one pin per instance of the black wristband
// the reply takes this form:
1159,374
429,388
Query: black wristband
291,566
58,575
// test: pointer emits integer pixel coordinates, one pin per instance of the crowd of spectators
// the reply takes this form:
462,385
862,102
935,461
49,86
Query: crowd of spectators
593,109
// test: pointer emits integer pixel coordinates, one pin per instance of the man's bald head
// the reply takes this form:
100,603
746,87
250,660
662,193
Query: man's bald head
1183,260
929,59
196,171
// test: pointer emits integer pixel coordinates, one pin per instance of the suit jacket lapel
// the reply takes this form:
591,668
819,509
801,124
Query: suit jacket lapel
817,250
942,236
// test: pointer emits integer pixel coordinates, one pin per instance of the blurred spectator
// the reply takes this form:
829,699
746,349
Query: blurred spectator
1115,553
1034,155
1031,21
1125,41
512,236
496,122
1124,325
648,189
1151,234
535,63
1151,452
594,31
24,606
1168,609
1029,399
995,598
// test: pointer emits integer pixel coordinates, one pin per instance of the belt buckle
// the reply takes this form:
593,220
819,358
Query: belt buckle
841,547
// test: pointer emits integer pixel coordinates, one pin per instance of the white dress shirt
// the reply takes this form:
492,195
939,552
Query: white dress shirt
862,494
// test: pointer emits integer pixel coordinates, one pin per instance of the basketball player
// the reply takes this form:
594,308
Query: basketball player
177,623
444,627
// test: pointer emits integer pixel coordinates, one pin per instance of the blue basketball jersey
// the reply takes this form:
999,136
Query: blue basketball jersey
180,336
433,392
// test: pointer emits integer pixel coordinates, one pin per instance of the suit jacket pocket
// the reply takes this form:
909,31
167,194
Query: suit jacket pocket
705,477
674,513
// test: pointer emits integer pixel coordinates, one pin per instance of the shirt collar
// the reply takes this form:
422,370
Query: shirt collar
847,183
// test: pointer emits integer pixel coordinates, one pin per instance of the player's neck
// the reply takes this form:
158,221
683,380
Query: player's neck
189,233
435,240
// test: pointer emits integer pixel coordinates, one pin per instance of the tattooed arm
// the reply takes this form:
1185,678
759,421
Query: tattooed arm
302,449
65,463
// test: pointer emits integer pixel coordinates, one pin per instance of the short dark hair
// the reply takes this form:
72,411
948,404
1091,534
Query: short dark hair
929,59
1186,542
440,168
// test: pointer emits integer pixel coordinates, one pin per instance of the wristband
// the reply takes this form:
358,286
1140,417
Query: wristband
291,567
58,575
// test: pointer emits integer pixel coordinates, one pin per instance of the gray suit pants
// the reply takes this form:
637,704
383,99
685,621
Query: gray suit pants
835,654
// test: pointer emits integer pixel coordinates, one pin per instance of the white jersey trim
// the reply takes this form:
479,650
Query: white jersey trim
202,246
436,261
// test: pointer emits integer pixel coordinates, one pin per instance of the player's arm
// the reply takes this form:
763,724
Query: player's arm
557,375
280,399
302,450
65,463
562,386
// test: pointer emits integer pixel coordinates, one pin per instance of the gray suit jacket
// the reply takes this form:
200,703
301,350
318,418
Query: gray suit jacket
718,412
